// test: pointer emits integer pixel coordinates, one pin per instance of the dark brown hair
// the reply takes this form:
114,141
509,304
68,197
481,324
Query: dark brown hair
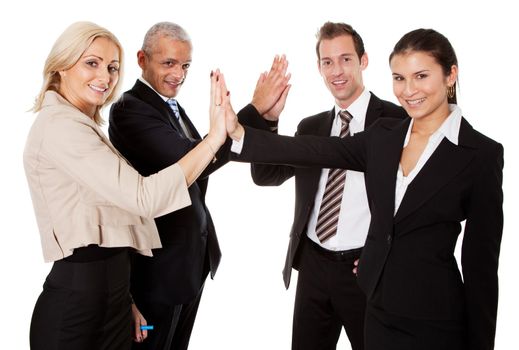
331,30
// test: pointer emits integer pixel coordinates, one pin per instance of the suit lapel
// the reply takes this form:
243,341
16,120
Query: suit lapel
374,110
146,94
445,163
386,155
189,125
323,128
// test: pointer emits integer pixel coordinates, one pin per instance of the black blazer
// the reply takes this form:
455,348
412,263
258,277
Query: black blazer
307,179
143,128
407,267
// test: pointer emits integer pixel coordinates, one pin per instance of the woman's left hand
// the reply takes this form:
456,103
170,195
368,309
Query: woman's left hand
138,320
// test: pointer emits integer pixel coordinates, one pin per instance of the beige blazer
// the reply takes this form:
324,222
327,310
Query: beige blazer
84,192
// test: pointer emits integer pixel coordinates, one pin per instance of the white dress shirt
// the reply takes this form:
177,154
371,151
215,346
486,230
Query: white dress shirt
450,129
354,216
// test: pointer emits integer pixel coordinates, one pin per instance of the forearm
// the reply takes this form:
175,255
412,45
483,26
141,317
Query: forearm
303,151
196,160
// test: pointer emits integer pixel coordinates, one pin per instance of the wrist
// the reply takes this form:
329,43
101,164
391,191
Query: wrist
238,133
261,109
212,145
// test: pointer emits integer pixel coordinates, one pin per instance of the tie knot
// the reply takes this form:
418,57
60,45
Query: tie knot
174,106
345,116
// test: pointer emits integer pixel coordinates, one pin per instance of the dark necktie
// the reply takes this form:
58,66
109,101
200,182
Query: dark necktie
331,204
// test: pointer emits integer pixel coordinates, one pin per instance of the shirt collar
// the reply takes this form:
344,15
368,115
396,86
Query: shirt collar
142,80
358,108
450,127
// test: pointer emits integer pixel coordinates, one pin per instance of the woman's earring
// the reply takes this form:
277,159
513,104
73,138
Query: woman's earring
451,91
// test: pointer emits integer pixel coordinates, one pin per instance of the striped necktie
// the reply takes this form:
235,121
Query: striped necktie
174,107
331,204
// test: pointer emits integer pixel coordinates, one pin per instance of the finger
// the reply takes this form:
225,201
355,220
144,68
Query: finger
223,86
260,80
137,334
218,90
284,95
213,91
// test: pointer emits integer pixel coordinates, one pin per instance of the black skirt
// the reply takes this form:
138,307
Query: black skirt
84,305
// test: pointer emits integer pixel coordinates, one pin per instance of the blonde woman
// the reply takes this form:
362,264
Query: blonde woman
92,208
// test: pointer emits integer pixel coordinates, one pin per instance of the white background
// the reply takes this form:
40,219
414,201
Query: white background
246,306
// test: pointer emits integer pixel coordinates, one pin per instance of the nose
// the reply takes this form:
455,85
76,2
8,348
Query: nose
178,72
409,88
104,76
336,69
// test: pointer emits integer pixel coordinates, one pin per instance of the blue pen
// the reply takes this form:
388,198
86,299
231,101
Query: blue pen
147,328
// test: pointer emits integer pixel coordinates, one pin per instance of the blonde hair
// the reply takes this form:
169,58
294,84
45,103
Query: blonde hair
67,51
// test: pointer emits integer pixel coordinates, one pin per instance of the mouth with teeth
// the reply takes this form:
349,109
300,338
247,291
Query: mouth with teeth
415,102
98,88
339,83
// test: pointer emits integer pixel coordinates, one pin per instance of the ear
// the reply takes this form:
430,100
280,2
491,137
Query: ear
141,59
453,76
364,61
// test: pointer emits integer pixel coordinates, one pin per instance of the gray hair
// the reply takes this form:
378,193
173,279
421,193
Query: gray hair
163,29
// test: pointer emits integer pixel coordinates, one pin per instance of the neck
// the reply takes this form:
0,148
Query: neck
345,104
427,125
89,111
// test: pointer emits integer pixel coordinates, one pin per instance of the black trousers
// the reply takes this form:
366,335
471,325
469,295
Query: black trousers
84,306
390,332
327,299
172,324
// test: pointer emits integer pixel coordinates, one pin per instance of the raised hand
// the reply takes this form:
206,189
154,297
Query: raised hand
274,113
217,109
271,87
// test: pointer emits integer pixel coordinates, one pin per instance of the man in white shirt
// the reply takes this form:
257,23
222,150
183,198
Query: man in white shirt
331,216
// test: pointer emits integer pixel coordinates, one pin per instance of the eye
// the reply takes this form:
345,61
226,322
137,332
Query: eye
169,63
91,63
113,69
325,63
347,59
398,78
186,66
421,76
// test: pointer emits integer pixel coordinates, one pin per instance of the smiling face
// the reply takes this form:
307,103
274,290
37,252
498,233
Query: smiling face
341,69
420,84
166,66
89,82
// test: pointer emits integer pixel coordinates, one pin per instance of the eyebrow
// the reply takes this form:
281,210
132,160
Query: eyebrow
100,58
419,72
174,60
341,55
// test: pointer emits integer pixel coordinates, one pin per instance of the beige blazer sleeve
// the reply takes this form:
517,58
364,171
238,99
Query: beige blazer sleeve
79,148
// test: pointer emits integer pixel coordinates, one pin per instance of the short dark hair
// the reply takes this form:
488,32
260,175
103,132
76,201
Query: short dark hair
433,43
331,30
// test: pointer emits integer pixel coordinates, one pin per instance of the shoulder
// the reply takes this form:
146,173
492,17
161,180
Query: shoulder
129,105
315,119
471,137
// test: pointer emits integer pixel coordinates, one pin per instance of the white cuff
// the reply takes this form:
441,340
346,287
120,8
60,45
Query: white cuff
237,146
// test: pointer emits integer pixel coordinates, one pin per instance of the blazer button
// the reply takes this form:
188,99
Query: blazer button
389,238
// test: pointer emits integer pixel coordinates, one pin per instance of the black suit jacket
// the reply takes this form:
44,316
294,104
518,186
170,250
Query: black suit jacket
408,266
144,129
307,179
